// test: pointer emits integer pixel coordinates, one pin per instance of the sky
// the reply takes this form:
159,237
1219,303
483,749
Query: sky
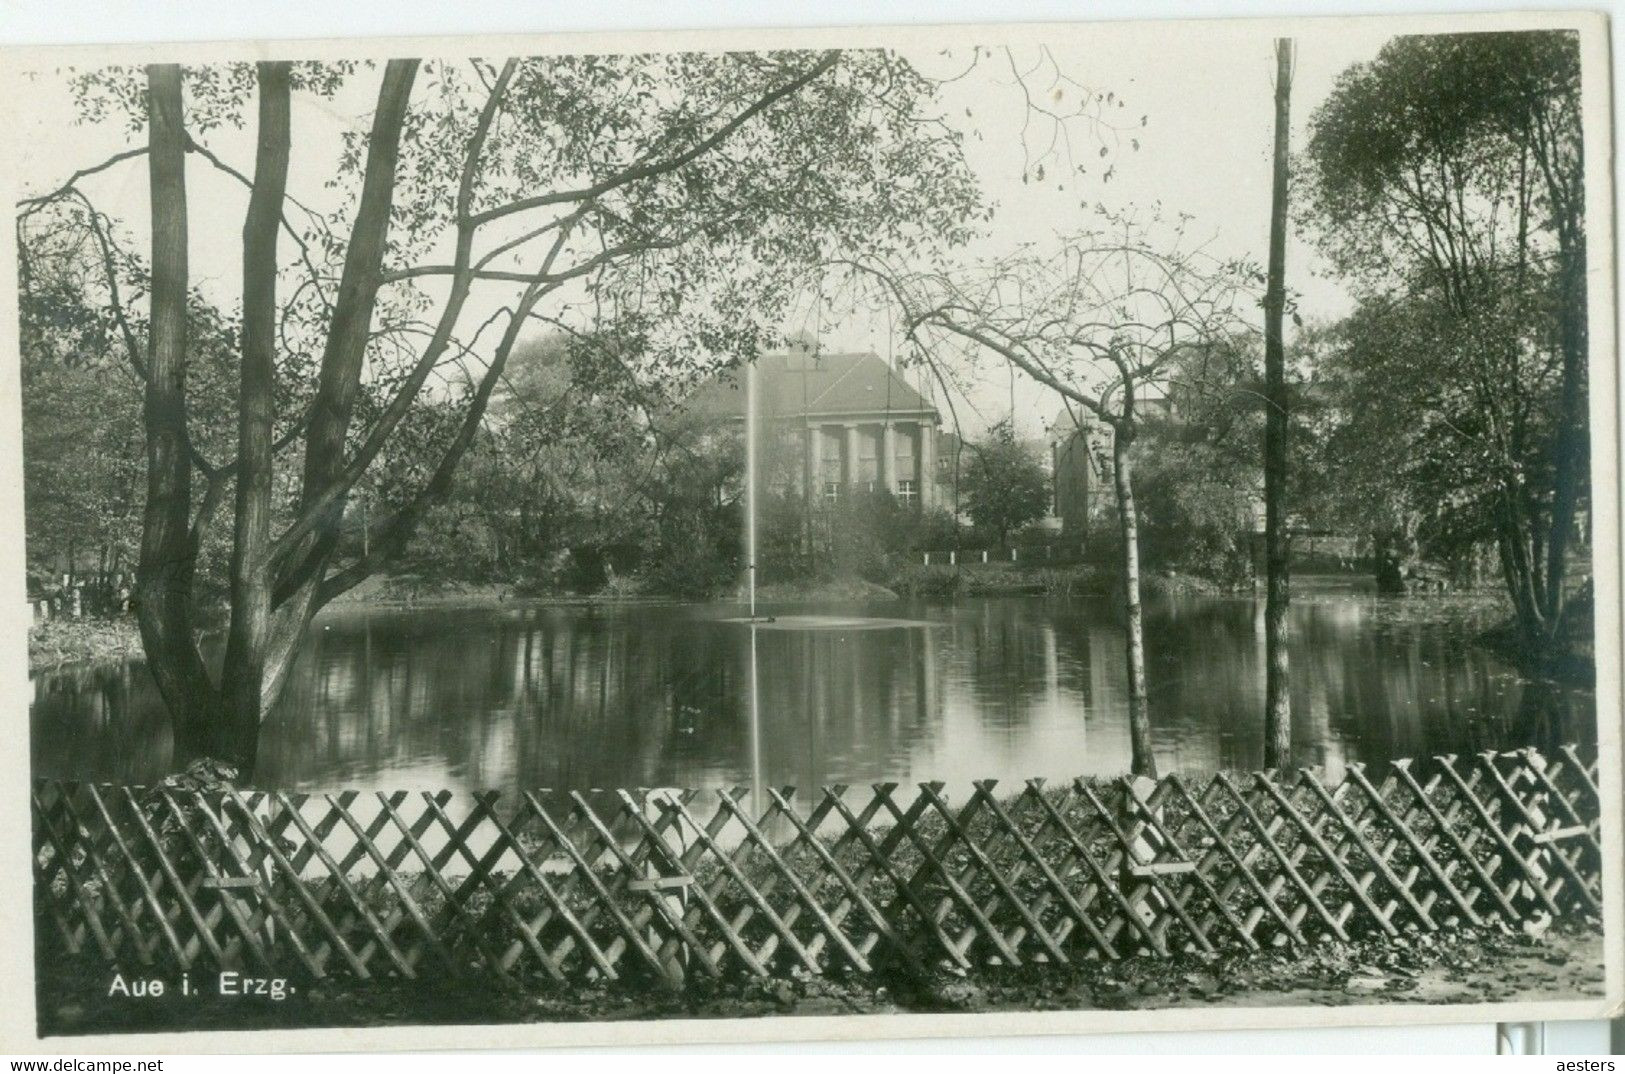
1205,91
1206,150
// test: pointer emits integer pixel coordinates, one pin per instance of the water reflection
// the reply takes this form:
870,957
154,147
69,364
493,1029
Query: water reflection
580,698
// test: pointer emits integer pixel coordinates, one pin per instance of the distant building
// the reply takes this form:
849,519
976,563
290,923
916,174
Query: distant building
1072,465
834,423
1080,447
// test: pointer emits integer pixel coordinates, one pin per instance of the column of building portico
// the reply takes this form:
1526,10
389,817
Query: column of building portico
815,462
851,459
926,456
888,457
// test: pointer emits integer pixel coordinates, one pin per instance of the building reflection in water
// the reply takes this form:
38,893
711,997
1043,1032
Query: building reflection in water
584,697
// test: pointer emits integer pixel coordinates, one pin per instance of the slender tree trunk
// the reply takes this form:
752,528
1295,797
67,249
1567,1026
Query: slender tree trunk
1387,566
1523,583
1572,457
1277,563
242,675
168,558
1142,761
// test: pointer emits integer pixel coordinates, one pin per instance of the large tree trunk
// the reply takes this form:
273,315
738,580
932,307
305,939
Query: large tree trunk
1277,566
294,596
1142,761
242,674
168,559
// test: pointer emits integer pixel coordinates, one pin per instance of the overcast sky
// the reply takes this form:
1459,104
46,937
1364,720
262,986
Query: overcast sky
1207,95
1205,90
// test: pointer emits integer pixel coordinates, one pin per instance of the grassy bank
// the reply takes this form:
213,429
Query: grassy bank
414,591
55,642
1466,965
996,579
823,590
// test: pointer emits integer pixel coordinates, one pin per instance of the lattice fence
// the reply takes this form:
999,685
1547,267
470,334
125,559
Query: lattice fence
666,885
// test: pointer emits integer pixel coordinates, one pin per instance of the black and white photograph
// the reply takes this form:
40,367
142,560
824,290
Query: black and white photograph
774,534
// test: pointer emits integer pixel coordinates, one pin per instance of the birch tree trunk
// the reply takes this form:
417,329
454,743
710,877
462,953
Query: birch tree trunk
1142,761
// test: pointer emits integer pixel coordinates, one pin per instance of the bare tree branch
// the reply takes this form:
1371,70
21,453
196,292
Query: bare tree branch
29,204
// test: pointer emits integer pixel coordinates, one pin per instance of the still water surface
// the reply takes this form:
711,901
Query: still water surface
585,697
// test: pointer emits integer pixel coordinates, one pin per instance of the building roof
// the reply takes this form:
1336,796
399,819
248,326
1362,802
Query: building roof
804,382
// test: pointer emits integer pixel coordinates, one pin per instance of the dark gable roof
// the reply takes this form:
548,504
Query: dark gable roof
796,383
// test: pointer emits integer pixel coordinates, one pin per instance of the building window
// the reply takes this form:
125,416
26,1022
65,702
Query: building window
903,459
829,455
868,458
908,490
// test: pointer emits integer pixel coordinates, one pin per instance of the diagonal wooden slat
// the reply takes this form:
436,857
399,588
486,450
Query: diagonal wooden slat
984,790
1378,861
855,895
1329,857
77,891
933,862
880,860
1242,873
357,903
1080,850
1151,815
1584,772
750,890
1357,776
1447,832
1489,826
138,870
128,928
247,932
630,932
956,824
365,842
631,868
1152,882
806,898
559,907
1303,888
481,878
184,891
1518,803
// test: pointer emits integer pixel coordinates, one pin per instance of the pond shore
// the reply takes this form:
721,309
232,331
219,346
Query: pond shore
1466,965
55,642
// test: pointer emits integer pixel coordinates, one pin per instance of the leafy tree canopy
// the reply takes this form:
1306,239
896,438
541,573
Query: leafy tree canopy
1004,487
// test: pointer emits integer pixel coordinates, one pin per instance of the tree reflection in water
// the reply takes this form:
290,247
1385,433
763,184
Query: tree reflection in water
582,697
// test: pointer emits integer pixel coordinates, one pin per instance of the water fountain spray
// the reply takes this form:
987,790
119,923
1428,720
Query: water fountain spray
750,484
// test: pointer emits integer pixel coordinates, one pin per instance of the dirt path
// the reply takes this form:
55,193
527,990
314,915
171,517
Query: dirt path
1464,966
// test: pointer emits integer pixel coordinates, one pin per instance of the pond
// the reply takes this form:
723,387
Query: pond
580,697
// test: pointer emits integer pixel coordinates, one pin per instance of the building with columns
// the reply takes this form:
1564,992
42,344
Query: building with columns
832,424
